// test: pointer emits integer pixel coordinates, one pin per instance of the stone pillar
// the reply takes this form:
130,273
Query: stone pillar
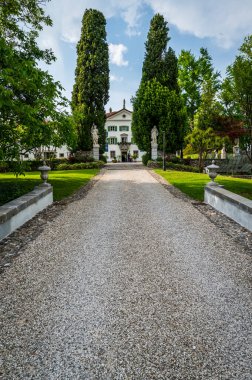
154,147
96,152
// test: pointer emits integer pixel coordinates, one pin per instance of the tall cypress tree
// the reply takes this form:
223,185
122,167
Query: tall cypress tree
156,45
90,91
158,100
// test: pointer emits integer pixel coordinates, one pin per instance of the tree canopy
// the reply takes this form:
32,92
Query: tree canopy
31,103
237,90
90,91
195,76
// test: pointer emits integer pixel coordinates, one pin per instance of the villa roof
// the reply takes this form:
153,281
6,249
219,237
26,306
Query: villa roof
109,114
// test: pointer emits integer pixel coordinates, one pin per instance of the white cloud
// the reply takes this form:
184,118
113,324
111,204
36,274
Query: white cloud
114,78
116,54
225,21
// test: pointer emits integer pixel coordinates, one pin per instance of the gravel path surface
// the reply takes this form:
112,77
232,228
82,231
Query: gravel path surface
128,283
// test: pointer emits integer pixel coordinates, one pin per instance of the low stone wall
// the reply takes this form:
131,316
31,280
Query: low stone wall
15,213
234,206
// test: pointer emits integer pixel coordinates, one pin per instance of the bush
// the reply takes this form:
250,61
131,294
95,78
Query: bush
182,168
4,167
81,165
145,158
63,167
154,164
80,157
103,159
171,165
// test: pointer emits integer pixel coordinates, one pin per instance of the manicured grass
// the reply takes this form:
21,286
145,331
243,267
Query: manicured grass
193,184
64,183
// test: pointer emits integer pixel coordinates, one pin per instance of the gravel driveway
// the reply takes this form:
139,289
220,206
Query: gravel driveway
128,283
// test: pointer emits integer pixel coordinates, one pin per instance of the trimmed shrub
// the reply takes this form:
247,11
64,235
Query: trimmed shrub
103,159
171,165
154,164
181,167
81,165
145,158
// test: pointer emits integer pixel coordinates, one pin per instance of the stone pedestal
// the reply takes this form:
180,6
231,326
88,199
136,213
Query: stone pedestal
154,154
96,152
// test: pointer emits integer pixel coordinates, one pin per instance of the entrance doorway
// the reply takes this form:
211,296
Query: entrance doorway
124,157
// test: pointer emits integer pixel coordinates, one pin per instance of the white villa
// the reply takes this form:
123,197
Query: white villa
120,145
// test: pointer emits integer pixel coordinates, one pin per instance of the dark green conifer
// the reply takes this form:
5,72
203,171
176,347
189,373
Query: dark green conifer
90,91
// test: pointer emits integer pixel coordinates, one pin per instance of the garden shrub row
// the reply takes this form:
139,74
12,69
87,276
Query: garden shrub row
55,164
81,165
171,165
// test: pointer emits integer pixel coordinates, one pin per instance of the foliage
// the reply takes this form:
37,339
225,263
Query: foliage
193,184
155,50
104,159
195,76
90,91
155,104
173,166
237,90
157,101
145,158
64,183
203,141
81,165
31,102
205,116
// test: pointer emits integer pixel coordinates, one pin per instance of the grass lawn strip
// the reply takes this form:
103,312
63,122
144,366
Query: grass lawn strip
64,183
193,184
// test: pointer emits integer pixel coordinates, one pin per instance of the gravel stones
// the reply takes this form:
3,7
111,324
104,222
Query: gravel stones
128,282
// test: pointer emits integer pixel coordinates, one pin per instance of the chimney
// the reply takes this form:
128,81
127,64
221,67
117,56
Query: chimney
110,109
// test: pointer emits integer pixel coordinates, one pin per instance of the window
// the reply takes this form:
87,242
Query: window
135,153
124,139
26,155
49,155
124,128
112,154
61,155
112,140
112,128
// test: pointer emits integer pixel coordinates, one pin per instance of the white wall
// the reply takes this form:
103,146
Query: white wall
121,118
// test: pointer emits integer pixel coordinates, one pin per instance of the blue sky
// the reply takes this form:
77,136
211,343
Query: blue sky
218,25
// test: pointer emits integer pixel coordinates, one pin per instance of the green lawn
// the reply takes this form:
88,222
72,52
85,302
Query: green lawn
193,184
64,183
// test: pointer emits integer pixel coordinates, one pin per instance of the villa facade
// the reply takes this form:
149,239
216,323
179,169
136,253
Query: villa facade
119,141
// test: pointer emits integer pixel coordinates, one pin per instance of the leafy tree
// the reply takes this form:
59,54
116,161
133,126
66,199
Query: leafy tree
155,104
209,107
194,75
237,90
90,91
203,142
30,101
